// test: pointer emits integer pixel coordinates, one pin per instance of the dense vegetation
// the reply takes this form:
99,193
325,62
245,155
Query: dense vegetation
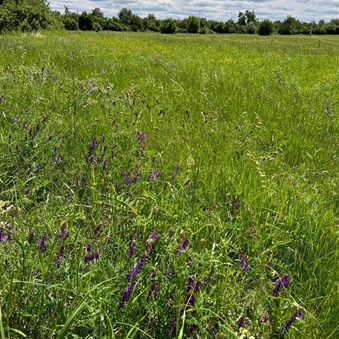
31,15
157,186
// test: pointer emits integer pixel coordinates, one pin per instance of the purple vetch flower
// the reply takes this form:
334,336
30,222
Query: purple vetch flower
286,327
169,273
97,229
58,159
30,236
93,144
151,242
126,294
104,164
37,128
190,262
42,243
241,321
91,257
132,247
141,138
59,256
64,234
136,177
182,247
280,283
155,175
152,292
88,247
136,268
243,261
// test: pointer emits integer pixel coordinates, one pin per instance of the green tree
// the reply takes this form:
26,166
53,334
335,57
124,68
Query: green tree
192,24
25,15
265,27
168,26
125,16
85,22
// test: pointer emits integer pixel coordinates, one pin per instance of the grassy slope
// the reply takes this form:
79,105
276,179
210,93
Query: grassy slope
244,131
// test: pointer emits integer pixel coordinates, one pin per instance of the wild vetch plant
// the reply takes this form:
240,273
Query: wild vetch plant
165,192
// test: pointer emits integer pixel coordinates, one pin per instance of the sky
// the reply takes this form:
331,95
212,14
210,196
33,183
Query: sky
221,10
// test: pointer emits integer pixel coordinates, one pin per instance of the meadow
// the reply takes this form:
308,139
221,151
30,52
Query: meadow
158,186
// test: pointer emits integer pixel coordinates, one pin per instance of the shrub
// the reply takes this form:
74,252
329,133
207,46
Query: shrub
265,27
168,26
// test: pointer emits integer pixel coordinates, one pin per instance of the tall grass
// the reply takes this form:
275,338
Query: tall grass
168,186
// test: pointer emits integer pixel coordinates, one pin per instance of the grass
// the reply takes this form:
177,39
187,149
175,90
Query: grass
162,186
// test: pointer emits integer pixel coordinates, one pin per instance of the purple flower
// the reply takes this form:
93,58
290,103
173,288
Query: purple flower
88,247
151,242
42,243
136,177
182,247
30,236
153,291
59,255
155,175
141,138
286,327
137,267
58,159
64,234
97,229
93,144
169,273
280,283
132,247
37,129
243,261
126,294
104,164
91,257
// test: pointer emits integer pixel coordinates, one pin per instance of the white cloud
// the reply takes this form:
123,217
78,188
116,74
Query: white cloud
303,10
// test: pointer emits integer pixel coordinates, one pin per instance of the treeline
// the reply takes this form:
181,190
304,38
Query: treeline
31,15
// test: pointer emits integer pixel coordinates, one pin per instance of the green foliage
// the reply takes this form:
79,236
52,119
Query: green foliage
25,15
192,24
265,27
168,26
86,22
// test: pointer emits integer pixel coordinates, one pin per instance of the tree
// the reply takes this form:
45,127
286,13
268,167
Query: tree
265,27
193,24
250,17
168,26
85,22
25,15
290,26
125,16
241,19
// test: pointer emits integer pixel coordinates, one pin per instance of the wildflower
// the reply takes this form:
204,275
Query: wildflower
58,159
136,177
42,243
141,138
280,283
153,291
88,247
169,273
126,294
30,236
132,247
190,262
136,268
182,247
104,164
97,229
91,257
151,242
286,327
241,321
59,255
64,234
243,261
155,175
37,128
93,144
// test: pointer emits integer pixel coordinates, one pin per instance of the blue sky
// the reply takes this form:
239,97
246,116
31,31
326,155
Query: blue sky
303,10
